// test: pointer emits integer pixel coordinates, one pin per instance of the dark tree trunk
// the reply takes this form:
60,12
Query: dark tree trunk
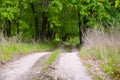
80,29
8,28
36,29
50,34
18,30
36,23
45,22
85,28
17,22
44,25
20,12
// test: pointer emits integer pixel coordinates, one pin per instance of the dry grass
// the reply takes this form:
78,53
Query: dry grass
100,38
12,46
104,46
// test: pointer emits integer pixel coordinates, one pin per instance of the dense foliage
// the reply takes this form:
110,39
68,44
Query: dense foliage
117,3
42,20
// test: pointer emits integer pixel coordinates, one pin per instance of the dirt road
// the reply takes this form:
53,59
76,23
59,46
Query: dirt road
68,66
17,70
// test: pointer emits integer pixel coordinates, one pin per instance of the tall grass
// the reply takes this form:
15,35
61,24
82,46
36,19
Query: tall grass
11,48
104,46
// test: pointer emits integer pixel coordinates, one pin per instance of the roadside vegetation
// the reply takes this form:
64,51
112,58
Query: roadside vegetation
53,57
103,46
9,49
48,64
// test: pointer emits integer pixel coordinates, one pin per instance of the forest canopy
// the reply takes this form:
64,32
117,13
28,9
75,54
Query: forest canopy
42,20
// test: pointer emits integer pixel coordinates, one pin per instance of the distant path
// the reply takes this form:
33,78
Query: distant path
16,70
68,67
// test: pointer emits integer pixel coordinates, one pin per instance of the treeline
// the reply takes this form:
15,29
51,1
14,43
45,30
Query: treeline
42,20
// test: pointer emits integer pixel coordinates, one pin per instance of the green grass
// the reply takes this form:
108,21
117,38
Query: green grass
53,57
98,77
9,49
74,40
110,57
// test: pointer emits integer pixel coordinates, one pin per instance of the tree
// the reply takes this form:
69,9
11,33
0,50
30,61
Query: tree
9,11
48,19
90,13
44,19
36,22
53,11
117,3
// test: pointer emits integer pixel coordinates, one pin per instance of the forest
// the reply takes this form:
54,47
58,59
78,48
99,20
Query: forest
40,25
41,20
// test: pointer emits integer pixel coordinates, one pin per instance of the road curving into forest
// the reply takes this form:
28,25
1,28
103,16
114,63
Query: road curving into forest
68,66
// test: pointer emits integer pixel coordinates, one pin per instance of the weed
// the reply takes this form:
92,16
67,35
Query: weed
98,77
53,57
103,46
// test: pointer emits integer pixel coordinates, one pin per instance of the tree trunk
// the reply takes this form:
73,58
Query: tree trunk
36,23
80,29
18,25
19,17
44,20
44,25
8,28
36,29
85,28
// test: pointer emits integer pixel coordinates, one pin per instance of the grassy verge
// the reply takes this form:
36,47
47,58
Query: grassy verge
53,57
9,49
103,47
50,60
110,58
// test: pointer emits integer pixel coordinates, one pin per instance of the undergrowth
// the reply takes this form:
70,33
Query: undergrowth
8,50
103,46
